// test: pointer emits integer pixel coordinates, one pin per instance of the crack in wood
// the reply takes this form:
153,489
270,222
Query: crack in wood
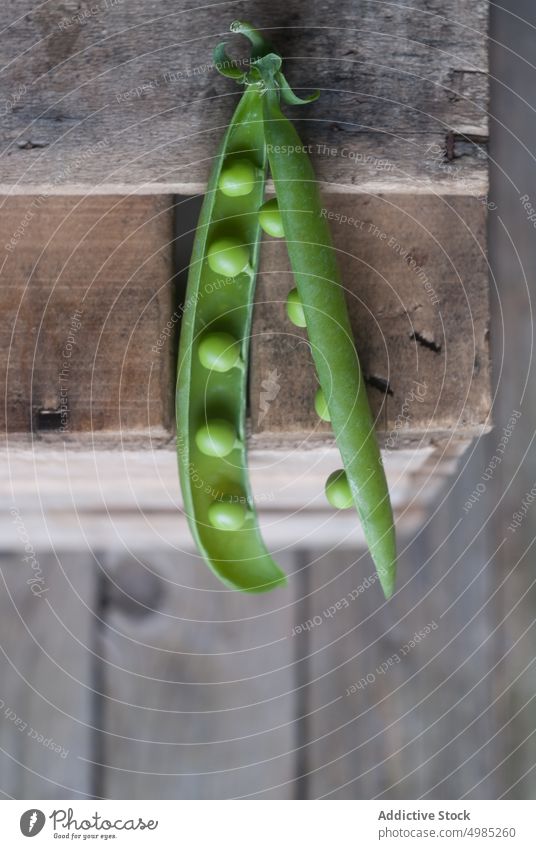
379,383
426,343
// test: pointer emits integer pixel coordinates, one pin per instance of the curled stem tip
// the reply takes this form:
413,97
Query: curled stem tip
288,95
259,44
225,65
264,69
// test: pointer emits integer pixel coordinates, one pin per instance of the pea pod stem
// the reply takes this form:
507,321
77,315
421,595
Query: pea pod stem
321,293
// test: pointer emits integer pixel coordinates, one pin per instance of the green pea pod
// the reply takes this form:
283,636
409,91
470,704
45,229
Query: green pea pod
321,293
213,355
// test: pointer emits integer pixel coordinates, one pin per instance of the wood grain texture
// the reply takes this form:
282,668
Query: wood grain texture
46,670
90,337
416,278
121,96
395,715
199,684
86,296
454,719
109,499
508,501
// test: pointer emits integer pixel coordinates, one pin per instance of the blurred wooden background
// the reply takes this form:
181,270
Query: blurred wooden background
127,672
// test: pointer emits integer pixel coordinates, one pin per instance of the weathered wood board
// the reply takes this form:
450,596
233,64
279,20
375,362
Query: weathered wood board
416,279
121,96
397,737
111,498
160,682
199,680
47,640
508,500
87,292
90,338
401,694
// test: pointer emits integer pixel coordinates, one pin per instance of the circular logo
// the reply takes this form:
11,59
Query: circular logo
31,822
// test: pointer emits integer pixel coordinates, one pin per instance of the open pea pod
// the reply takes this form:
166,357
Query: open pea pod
321,300
214,347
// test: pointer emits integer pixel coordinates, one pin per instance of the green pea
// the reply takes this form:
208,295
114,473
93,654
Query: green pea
228,257
259,131
238,178
219,351
321,406
216,438
270,219
295,309
338,490
227,515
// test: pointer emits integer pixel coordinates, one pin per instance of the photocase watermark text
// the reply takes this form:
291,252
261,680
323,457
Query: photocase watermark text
24,727
391,242
64,376
520,514
495,461
319,149
416,395
36,581
393,660
83,14
339,605
169,328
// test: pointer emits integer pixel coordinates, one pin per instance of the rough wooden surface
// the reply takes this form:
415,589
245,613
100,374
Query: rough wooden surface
106,499
442,723
90,337
206,675
513,260
473,736
46,669
416,278
412,717
86,294
122,96
280,724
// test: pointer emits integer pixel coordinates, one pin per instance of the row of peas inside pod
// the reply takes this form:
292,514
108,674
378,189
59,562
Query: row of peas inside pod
337,487
219,351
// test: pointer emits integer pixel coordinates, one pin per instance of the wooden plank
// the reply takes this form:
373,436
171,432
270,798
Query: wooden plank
46,669
402,694
416,278
73,499
89,340
513,261
86,297
484,747
199,684
123,96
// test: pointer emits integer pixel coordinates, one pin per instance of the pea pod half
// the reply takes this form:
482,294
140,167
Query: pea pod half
321,296
214,345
